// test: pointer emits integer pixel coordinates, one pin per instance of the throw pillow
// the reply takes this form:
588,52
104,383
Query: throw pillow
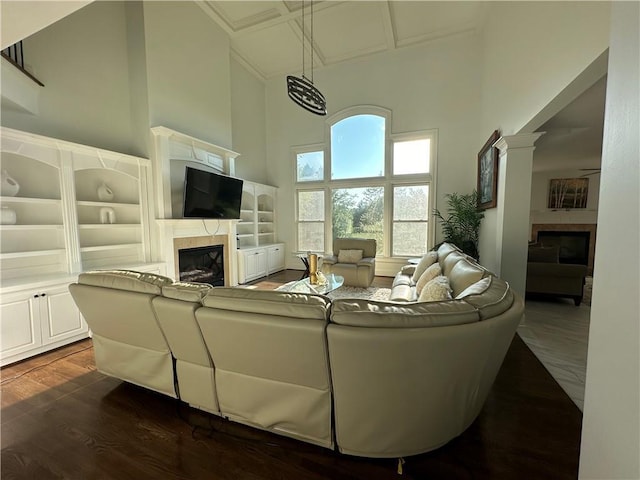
425,262
429,274
349,256
436,290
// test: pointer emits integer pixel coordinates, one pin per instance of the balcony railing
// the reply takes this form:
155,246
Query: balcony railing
15,55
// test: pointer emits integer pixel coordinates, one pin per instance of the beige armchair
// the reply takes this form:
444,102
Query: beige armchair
354,259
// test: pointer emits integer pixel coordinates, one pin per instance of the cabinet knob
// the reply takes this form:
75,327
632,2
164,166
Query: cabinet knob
36,296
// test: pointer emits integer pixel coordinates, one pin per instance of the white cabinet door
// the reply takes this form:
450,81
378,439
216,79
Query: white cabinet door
60,318
19,324
34,321
261,263
276,258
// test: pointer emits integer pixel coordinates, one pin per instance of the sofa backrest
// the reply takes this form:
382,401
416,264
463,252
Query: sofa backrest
175,310
367,245
423,385
128,341
271,361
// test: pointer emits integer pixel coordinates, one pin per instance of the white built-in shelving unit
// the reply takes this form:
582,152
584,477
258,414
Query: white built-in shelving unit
58,233
259,252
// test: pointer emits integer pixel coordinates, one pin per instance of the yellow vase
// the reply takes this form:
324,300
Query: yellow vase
313,268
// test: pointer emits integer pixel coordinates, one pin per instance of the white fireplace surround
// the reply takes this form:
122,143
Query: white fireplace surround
176,234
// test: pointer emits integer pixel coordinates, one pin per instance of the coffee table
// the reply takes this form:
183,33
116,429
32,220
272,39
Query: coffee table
304,285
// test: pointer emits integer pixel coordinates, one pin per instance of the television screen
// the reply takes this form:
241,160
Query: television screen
211,195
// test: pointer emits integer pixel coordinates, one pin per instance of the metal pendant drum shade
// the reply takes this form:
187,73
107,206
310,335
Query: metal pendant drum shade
301,89
305,94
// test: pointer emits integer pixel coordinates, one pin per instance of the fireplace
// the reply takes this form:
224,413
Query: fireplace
202,264
573,246
207,250
575,240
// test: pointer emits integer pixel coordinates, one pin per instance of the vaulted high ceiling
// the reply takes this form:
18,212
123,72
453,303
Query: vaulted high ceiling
267,35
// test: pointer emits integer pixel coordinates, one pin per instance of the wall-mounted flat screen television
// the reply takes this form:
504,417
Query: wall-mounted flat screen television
211,195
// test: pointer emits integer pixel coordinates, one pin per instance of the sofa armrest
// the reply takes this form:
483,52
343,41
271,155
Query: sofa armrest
329,259
408,270
367,261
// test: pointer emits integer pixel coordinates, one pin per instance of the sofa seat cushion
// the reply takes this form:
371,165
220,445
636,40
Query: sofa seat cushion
367,313
463,274
268,302
436,290
186,291
125,280
425,262
490,295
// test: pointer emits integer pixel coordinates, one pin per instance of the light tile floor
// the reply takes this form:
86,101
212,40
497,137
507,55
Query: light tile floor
558,332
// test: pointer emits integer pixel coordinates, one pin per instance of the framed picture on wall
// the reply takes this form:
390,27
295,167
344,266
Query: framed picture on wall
567,193
488,173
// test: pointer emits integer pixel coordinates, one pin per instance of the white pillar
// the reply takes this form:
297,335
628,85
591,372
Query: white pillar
515,167
611,421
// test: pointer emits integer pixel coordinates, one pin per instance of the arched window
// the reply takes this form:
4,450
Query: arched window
368,182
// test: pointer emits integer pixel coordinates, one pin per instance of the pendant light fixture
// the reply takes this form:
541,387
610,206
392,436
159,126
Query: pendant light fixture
301,89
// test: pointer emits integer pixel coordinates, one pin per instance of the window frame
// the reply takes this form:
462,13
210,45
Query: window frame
387,182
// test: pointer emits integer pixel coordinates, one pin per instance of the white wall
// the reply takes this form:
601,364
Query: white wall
531,52
188,71
82,61
611,420
432,86
248,120
539,195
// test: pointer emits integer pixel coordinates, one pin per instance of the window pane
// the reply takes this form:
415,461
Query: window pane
411,203
310,166
411,157
358,212
311,237
410,238
311,206
357,147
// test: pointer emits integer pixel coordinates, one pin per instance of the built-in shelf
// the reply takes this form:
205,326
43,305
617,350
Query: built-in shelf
86,203
108,226
8,228
50,201
100,248
34,253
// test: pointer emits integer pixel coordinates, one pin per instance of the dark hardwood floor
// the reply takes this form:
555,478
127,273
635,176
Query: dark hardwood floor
61,419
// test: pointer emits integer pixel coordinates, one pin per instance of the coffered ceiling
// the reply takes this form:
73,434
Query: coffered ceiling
267,35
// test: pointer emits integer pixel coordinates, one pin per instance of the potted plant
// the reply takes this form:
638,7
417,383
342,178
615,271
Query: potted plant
462,224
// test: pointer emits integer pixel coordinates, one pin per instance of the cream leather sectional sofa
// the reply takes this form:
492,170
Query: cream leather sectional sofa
373,379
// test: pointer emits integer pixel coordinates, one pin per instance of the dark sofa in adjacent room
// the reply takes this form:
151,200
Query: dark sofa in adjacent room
547,276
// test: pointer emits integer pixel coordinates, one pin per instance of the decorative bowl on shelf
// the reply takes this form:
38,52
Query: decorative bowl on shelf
9,187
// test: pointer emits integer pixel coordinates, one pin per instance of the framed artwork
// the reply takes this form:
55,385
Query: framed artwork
488,173
565,193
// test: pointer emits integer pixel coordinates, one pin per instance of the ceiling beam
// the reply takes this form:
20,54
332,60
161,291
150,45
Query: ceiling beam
387,22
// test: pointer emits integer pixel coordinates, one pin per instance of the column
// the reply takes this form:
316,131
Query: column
514,206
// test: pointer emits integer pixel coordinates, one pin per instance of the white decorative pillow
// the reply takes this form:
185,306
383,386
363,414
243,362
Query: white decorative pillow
475,288
425,262
349,256
436,290
429,274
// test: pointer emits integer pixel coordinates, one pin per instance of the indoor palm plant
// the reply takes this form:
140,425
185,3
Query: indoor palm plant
462,224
